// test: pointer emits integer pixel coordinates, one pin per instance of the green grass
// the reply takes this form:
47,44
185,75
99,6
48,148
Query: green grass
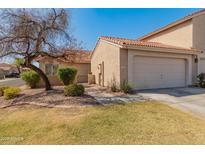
134,123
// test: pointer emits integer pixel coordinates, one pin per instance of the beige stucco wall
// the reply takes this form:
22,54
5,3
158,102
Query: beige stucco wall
133,53
54,81
199,32
123,65
82,74
180,35
110,55
199,40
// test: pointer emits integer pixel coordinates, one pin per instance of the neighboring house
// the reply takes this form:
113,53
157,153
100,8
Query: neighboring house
7,69
73,58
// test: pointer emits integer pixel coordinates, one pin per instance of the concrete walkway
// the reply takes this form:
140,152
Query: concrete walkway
190,100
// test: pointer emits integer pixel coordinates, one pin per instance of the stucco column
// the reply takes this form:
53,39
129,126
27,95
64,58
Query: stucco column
188,71
130,67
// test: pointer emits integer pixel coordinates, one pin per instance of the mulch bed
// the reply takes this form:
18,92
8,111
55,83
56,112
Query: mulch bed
52,98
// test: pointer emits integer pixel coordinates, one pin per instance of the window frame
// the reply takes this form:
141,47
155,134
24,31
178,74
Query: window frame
53,69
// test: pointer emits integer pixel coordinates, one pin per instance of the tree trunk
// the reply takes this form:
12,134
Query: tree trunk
42,75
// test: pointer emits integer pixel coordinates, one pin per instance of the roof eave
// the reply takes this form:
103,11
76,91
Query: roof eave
161,49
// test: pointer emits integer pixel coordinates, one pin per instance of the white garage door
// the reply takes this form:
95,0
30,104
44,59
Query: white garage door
154,72
202,66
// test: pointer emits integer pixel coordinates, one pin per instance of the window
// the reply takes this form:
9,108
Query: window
51,69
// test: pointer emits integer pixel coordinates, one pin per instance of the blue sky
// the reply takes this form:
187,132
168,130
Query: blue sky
89,24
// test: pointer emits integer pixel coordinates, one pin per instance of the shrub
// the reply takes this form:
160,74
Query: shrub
74,90
126,88
11,92
2,90
67,75
31,78
201,80
113,85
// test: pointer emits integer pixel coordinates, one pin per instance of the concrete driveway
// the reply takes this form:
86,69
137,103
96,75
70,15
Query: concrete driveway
190,100
16,82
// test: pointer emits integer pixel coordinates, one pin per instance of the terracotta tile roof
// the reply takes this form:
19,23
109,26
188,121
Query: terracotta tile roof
124,41
71,56
179,21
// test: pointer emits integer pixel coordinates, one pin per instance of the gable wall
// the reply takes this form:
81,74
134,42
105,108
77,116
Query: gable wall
110,55
180,35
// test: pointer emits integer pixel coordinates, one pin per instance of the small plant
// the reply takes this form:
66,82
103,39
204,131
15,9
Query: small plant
74,90
67,75
113,87
126,88
11,92
201,80
2,90
31,78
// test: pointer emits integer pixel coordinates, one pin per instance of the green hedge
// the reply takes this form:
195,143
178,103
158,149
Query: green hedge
67,75
31,78
74,90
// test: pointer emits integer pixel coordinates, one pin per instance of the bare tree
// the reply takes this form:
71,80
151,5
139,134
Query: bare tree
29,33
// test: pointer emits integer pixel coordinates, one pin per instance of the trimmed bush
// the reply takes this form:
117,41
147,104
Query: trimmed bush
67,75
126,88
11,92
74,90
201,80
31,78
2,90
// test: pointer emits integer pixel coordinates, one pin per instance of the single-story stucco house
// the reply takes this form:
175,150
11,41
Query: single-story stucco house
171,56
6,69
79,59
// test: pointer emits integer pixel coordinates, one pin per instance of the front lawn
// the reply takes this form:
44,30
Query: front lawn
134,123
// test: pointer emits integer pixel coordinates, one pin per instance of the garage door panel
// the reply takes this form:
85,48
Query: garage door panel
154,72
